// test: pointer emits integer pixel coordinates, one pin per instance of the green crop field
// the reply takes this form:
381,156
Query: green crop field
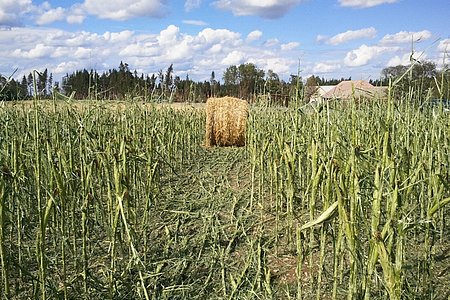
341,201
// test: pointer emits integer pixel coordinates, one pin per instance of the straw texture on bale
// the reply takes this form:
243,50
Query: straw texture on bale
226,122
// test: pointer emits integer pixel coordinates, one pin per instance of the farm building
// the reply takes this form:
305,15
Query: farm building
320,92
354,88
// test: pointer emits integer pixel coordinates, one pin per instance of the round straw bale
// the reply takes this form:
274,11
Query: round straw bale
226,121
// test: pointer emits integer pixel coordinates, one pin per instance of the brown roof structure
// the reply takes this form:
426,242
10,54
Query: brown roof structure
353,88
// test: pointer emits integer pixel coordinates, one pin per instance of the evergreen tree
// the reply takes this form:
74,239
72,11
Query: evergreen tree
311,87
50,83
42,83
24,87
30,84
213,83
168,82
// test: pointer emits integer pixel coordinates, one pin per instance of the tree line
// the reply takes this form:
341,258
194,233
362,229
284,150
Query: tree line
36,83
245,81
422,78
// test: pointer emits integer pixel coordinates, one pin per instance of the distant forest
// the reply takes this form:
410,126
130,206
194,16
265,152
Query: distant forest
245,81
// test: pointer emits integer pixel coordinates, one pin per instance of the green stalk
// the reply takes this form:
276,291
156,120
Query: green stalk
40,240
3,258
298,269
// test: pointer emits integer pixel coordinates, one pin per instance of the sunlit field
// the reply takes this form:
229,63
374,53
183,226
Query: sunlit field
121,200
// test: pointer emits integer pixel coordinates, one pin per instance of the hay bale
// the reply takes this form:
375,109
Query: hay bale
226,122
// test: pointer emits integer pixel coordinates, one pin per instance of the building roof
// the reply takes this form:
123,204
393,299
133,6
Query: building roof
320,92
323,89
352,88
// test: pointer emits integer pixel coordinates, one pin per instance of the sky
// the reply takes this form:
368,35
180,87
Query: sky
326,38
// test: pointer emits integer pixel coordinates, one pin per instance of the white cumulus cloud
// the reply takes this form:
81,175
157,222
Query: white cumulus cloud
325,67
52,15
254,36
45,14
122,10
82,53
216,49
364,3
11,11
279,65
169,36
364,54
194,54
235,57
321,38
39,51
75,19
444,46
365,33
271,42
140,50
289,46
211,36
269,9
66,67
76,14
403,37
405,59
